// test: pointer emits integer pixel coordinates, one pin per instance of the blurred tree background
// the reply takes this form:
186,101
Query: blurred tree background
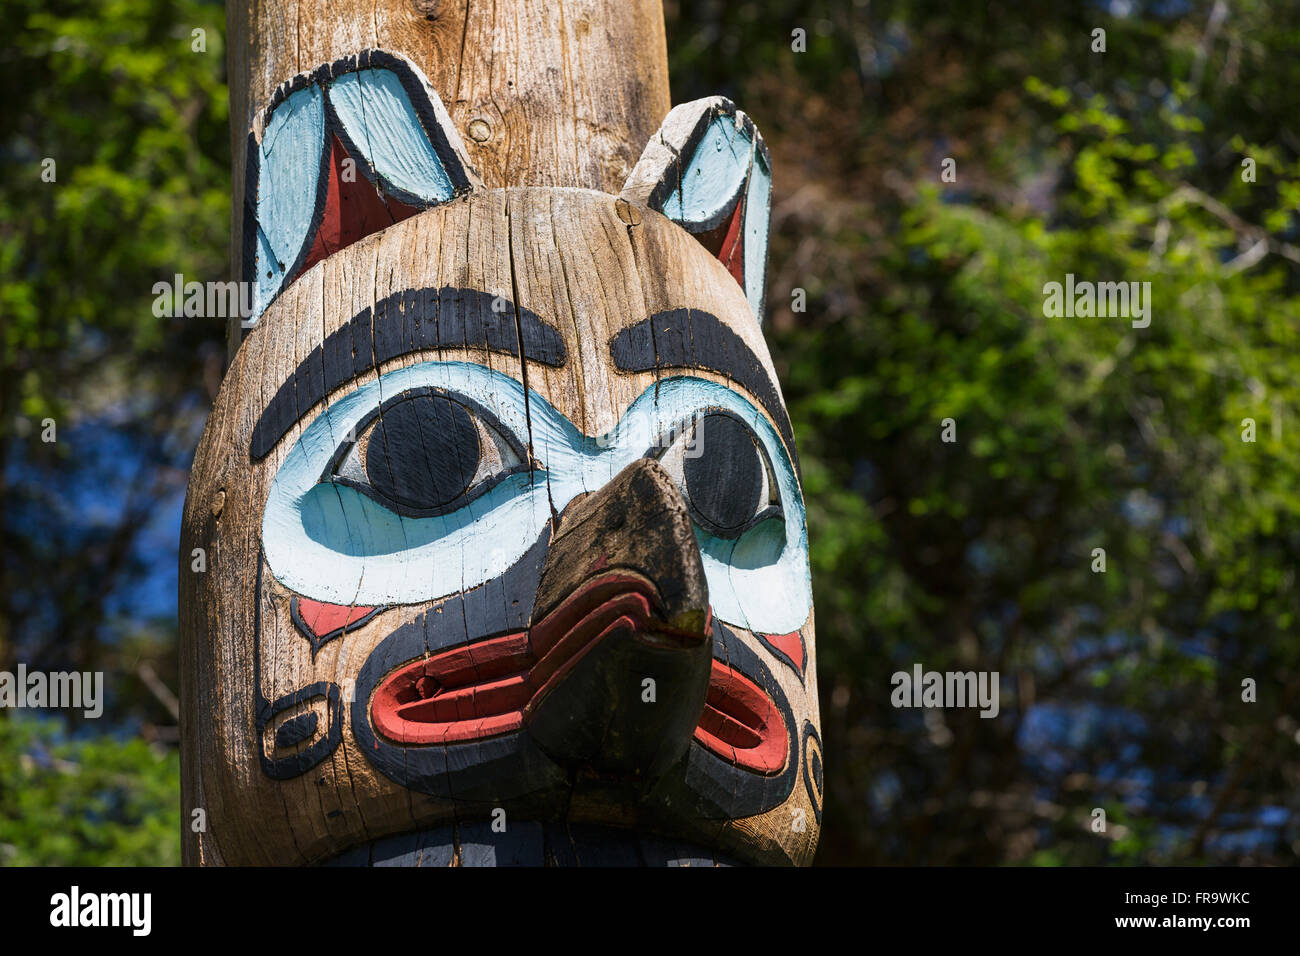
1120,690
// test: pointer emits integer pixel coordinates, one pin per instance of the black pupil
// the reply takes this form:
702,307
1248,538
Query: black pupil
724,482
424,452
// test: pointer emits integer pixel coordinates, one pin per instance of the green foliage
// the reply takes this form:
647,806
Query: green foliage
925,301
85,802
1120,690
136,124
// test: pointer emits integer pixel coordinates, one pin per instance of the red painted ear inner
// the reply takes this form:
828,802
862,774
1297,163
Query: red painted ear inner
727,241
353,210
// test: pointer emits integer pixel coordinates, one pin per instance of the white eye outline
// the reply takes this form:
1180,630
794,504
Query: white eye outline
331,543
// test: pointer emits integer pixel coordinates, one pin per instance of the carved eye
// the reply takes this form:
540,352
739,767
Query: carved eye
724,475
427,453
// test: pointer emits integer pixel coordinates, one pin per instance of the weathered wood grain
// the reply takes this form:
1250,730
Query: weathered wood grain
570,257
595,333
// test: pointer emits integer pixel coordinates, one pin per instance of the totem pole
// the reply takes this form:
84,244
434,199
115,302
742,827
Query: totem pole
505,550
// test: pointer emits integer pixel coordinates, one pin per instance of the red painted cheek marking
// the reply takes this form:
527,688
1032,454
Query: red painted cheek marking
790,645
322,619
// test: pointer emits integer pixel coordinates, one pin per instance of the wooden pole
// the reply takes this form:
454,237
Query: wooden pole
568,93
494,548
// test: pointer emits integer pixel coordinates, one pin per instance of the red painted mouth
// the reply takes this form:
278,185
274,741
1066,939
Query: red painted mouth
489,688
741,723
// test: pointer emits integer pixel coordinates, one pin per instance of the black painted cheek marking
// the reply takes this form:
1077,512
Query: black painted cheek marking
265,712
724,482
294,765
404,322
812,767
691,339
296,730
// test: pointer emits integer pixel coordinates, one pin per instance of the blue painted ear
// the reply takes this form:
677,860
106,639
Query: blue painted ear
343,152
709,171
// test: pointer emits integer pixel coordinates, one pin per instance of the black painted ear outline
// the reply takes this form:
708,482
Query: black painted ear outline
708,170
433,118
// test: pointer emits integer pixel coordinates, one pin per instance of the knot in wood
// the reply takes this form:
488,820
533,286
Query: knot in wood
628,213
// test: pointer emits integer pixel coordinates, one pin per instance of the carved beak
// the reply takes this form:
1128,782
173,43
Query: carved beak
622,630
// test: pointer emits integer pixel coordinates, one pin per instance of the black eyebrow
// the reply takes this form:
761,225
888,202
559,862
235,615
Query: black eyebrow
404,322
691,338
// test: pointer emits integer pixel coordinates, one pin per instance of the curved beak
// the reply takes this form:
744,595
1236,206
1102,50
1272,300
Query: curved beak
622,631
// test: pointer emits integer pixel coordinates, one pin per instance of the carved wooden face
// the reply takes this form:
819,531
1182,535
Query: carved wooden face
504,525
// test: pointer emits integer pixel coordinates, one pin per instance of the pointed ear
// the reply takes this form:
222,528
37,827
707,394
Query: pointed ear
709,171
338,154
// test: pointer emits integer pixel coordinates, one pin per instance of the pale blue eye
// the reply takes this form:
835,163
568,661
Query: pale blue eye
427,453
724,474
339,543
758,579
